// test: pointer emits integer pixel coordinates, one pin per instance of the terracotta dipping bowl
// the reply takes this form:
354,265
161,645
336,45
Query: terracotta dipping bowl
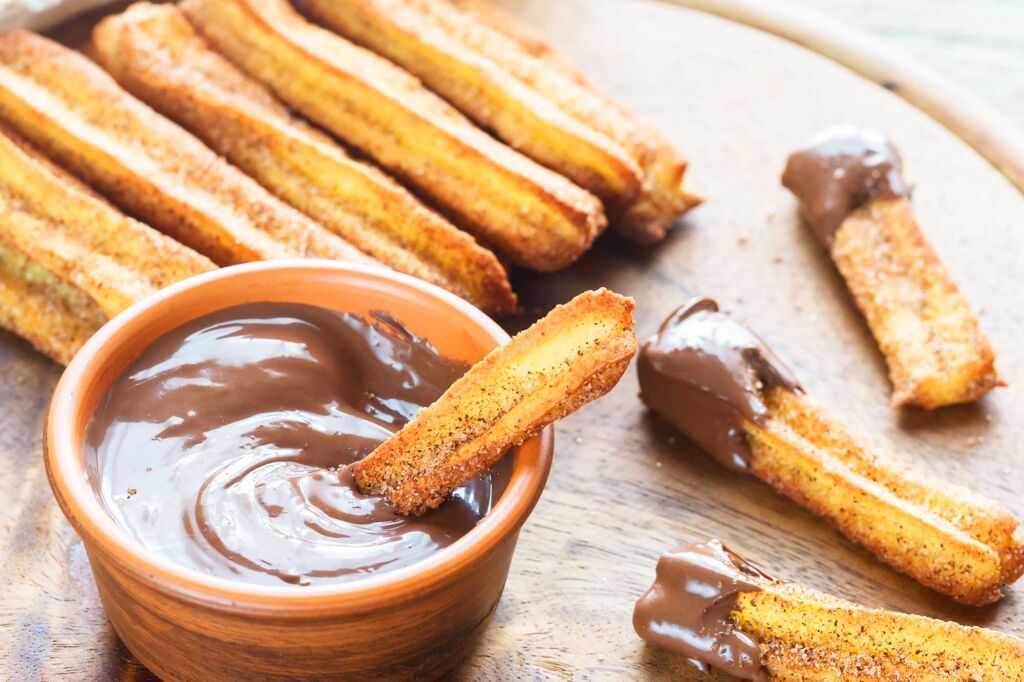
411,623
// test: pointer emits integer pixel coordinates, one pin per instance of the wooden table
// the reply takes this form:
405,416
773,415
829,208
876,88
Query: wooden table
624,488
979,44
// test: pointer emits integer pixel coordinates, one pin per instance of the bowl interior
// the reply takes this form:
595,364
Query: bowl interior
455,327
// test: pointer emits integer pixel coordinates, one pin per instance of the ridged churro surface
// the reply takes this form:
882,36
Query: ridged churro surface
943,536
435,41
530,58
538,218
153,51
548,113
69,260
81,118
925,328
572,356
809,636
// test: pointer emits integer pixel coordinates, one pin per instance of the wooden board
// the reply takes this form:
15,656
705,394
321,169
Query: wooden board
954,106
624,488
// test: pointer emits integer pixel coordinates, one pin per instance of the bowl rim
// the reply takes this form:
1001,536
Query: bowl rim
65,468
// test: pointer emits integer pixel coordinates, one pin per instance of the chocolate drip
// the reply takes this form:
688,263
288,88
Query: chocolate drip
840,170
226,445
703,373
687,609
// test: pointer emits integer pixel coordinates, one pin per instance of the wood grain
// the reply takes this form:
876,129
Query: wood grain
624,488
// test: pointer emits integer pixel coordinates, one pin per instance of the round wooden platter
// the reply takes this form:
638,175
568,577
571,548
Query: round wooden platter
624,488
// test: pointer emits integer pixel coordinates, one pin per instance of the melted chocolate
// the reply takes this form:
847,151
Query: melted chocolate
687,609
703,372
840,170
226,445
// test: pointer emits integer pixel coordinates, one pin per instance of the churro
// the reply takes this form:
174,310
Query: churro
724,613
850,185
572,356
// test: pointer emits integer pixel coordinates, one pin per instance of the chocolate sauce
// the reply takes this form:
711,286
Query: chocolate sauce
703,373
226,445
841,169
687,609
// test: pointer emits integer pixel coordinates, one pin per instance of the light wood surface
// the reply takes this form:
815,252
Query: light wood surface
960,110
624,488
978,44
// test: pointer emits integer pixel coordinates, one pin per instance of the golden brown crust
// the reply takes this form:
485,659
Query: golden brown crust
14,137
493,34
81,118
155,54
538,218
805,636
68,260
931,340
942,536
437,49
575,354
53,316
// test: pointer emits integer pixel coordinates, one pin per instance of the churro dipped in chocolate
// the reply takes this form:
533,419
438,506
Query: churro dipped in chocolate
849,183
78,116
68,260
722,612
574,355
154,53
538,218
719,384
555,118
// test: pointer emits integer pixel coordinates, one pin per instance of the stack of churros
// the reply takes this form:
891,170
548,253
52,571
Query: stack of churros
75,112
235,173
538,218
69,260
551,114
153,51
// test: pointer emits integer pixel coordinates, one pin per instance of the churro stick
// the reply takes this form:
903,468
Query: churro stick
538,218
945,537
537,63
434,42
547,113
541,66
931,340
574,355
75,113
717,382
68,260
154,53
722,612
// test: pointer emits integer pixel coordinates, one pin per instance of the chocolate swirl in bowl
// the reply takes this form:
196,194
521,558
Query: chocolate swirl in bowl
225,446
